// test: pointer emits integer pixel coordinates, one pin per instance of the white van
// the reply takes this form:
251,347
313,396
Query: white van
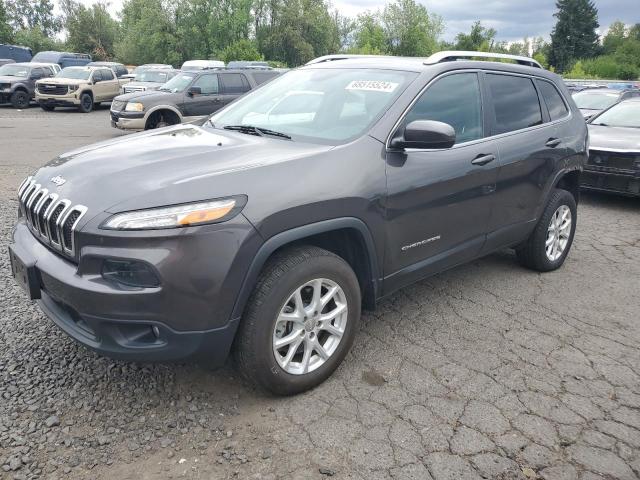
201,64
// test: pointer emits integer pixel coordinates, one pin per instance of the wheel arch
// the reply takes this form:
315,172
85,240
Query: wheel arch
347,237
570,181
158,108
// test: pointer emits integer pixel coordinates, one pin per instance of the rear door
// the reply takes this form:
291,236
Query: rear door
233,85
110,84
529,148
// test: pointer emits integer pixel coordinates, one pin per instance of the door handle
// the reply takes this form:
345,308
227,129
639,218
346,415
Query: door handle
553,142
483,159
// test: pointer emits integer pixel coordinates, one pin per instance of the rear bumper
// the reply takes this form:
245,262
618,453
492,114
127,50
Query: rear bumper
620,182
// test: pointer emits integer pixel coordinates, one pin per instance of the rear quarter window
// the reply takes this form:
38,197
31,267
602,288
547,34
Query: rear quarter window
515,103
262,77
234,83
555,104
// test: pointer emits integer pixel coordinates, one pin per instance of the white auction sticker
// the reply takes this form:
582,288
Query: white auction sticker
372,86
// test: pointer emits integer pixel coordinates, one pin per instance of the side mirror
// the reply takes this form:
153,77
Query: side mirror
425,134
194,91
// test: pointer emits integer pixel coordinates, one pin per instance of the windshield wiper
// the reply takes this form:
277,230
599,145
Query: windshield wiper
251,130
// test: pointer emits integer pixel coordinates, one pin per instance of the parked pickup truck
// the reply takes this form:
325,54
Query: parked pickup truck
80,87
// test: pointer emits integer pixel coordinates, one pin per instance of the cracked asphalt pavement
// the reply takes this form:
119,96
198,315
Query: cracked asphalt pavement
486,371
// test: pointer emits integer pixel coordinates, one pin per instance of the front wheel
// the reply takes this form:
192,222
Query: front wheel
300,321
549,244
86,103
20,99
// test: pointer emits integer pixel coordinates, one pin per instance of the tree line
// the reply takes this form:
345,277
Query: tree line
292,32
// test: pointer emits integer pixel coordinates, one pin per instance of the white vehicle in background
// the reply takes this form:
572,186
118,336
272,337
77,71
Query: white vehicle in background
54,67
150,79
147,66
191,65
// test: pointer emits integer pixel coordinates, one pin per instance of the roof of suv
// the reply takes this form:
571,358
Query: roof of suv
419,64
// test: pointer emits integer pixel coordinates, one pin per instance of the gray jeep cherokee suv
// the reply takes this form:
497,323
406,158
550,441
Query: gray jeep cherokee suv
265,230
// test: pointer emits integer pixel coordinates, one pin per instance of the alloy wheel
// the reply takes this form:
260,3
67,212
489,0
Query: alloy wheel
310,326
558,233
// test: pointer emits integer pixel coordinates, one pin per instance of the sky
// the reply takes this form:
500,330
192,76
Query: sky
513,19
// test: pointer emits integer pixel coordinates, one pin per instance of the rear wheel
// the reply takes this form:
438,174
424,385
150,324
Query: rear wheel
300,321
549,244
20,99
86,103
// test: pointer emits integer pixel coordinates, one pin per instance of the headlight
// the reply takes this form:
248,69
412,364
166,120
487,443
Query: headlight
134,107
213,211
73,88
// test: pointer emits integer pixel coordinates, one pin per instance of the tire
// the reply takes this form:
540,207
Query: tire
161,119
533,253
20,99
284,274
47,108
86,103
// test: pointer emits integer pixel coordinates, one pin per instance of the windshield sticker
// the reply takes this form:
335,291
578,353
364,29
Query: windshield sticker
372,86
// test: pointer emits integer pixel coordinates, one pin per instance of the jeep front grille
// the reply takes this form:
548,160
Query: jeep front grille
52,89
51,219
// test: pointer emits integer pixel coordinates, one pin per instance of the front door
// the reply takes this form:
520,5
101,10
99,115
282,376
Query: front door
439,201
206,102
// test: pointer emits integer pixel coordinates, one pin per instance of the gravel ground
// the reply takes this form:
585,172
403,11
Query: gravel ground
486,371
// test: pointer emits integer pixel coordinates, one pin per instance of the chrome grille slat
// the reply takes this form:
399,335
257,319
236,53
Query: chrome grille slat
51,219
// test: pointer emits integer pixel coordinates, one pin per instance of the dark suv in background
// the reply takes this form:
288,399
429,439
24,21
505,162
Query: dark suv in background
188,96
266,229
18,82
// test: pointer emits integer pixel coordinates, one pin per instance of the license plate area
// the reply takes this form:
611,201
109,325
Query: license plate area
24,271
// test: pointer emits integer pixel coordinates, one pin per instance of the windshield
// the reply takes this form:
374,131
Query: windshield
12,70
595,100
625,114
152,76
323,105
178,83
74,72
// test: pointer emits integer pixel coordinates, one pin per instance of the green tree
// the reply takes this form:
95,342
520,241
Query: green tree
615,37
90,29
241,50
479,39
32,14
148,34
37,40
369,37
574,35
6,32
410,29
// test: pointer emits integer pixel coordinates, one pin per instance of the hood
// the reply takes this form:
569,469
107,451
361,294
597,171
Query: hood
163,167
589,112
149,95
148,85
5,79
61,81
614,138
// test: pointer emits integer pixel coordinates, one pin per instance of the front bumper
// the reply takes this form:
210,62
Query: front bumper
58,100
604,179
187,317
127,120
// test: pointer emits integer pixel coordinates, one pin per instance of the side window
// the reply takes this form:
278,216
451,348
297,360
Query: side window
107,74
454,99
553,99
97,76
262,77
208,84
515,103
235,83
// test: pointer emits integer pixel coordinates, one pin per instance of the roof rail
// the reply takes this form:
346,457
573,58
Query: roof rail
449,56
332,58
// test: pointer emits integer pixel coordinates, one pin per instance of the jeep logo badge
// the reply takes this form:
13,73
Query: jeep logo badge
58,180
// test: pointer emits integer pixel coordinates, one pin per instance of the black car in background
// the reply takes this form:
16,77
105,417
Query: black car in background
16,53
614,152
186,97
593,101
18,82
